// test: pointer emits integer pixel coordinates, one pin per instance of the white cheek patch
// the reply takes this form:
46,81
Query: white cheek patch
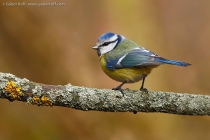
108,48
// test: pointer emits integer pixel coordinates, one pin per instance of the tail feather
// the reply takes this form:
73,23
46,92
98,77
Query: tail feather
172,62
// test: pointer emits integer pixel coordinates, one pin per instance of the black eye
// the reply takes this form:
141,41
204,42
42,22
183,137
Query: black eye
106,43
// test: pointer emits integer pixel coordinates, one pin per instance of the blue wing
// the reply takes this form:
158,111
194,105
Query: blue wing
137,57
171,62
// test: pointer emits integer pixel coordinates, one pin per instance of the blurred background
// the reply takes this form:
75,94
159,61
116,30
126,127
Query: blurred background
53,45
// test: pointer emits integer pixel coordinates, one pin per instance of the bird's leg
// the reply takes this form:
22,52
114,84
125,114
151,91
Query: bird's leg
142,85
119,88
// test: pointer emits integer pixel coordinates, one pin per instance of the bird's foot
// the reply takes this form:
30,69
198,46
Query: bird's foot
143,90
119,88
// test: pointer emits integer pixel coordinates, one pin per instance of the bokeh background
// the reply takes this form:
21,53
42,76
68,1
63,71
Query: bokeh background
53,45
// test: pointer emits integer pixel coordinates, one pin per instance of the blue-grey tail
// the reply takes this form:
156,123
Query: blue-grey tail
172,62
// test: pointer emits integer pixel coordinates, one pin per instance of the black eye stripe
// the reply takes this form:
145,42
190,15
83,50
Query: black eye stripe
107,43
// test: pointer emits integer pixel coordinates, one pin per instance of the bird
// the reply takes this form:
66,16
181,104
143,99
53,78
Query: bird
127,62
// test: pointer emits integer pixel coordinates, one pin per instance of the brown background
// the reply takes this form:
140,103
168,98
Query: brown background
53,45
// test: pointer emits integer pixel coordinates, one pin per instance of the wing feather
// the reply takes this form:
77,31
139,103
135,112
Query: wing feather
137,57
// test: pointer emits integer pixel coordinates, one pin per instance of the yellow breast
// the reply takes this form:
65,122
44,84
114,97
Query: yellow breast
130,75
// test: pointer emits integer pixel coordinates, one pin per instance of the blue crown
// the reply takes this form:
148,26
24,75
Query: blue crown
105,36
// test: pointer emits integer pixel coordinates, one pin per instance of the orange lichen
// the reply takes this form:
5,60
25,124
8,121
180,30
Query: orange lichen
45,101
40,101
35,100
14,92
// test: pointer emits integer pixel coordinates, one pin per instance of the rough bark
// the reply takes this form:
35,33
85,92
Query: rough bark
83,98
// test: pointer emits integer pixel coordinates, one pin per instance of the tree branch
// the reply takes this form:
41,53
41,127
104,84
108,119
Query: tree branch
83,98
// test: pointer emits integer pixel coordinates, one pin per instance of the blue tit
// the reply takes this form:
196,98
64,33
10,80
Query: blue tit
125,61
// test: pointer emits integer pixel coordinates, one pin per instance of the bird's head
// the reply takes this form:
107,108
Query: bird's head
107,42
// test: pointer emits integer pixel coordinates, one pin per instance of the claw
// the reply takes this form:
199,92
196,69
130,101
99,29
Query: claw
120,91
144,89
119,88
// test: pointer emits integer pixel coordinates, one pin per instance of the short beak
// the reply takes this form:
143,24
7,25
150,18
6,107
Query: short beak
95,47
